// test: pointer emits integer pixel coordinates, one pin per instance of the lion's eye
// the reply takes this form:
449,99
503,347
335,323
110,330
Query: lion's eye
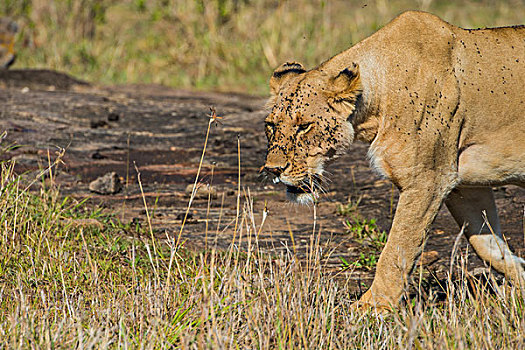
270,130
304,127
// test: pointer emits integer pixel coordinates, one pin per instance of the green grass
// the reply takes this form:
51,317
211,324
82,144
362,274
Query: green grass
371,239
364,232
223,45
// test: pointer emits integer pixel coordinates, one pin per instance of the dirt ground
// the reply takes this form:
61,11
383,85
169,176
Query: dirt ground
162,131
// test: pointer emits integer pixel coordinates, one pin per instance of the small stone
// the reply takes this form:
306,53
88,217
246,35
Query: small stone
480,271
107,184
181,216
113,117
95,124
97,155
203,191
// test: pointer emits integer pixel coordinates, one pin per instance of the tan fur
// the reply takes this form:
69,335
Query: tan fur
443,109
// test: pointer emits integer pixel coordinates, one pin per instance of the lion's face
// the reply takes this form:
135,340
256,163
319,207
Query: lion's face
308,126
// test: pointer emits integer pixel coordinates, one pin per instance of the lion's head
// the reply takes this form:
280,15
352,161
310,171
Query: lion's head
308,125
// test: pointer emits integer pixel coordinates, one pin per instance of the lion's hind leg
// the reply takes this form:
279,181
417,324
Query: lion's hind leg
467,204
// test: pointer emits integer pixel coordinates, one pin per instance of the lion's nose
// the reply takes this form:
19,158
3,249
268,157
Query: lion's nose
274,170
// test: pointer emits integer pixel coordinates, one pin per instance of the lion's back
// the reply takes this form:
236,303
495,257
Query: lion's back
490,70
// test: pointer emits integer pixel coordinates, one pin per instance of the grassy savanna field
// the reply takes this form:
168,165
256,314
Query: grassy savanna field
228,45
73,275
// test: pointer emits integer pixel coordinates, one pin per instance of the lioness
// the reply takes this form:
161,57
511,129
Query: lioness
443,109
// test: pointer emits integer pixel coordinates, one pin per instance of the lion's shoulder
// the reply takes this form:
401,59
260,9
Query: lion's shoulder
418,22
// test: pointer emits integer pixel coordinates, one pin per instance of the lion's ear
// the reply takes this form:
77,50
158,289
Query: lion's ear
346,87
283,73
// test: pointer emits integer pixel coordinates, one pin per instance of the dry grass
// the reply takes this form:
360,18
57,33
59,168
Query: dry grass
74,277
216,44
68,286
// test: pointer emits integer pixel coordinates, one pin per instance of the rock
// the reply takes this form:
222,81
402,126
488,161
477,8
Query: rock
113,117
95,124
203,191
107,184
180,216
480,271
97,155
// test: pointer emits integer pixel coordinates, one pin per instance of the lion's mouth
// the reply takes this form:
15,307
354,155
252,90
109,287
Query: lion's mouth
298,190
304,191
309,187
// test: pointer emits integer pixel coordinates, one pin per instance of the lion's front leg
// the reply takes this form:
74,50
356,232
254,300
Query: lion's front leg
415,212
